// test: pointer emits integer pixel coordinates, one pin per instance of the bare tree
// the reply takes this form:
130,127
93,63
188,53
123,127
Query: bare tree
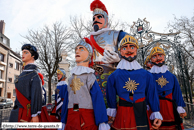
185,26
50,42
82,27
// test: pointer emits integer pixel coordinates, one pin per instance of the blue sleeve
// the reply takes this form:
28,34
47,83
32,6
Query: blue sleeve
177,94
98,104
111,93
121,35
44,103
55,95
64,109
152,97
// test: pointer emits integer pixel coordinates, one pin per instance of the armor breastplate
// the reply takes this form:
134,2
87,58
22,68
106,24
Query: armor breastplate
106,40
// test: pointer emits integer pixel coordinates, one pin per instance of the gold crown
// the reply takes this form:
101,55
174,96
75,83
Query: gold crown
156,50
128,39
59,72
147,59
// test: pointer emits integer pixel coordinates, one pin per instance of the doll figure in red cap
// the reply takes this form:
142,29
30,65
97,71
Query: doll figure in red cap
86,107
169,92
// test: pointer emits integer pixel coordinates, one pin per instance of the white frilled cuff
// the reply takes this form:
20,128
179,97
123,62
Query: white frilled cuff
111,112
38,113
180,109
148,107
104,126
63,127
155,115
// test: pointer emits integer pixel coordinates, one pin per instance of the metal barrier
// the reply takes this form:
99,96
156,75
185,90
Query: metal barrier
189,119
4,115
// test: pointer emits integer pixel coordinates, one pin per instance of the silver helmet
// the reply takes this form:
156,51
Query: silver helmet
88,47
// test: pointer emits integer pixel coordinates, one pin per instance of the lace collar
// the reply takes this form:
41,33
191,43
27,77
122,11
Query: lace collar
78,70
124,64
100,31
61,83
156,69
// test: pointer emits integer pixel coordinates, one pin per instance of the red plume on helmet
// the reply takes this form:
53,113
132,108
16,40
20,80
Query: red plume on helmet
98,4
87,40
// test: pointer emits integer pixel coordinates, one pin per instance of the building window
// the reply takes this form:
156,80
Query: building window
8,95
1,85
1,57
5,41
16,65
14,93
10,65
1,74
10,79
0,91
15,77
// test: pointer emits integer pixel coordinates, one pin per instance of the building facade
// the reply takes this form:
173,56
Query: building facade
13,69
10,66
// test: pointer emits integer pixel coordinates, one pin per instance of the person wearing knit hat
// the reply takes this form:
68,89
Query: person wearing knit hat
86,107
169,92
135,89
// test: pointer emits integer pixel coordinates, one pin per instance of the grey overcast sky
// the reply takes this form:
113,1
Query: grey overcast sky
21,15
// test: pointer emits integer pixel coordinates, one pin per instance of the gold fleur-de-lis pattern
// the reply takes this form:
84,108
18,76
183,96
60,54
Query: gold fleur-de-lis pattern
131,85
162,81
76,84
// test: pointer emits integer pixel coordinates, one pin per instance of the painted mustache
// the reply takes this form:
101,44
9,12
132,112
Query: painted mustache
129,53
130,59
158,60
159,64
96,22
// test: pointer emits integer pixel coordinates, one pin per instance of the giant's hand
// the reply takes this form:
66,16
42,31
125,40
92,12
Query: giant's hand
110,57
183,114
35,119
157,123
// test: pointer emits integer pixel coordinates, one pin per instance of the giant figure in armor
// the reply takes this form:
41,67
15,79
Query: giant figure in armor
105,43
28,89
